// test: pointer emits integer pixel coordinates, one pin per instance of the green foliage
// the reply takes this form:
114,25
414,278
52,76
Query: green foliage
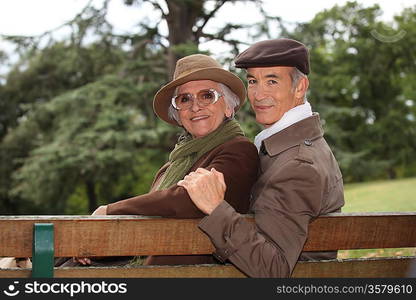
50,72
77,128
135,182
87,135
185,49
359,84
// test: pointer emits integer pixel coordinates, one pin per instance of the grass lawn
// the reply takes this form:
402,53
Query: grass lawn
380,196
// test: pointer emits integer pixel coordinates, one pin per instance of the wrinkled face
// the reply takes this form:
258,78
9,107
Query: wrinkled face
270,93
201,120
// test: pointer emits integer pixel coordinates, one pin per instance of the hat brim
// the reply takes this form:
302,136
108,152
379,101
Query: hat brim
163,97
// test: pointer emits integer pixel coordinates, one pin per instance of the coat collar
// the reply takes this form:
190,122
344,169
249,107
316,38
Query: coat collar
306,129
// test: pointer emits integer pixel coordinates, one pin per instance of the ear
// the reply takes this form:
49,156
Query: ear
228,112
302,87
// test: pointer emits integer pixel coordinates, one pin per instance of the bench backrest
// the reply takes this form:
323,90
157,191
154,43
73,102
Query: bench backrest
86,236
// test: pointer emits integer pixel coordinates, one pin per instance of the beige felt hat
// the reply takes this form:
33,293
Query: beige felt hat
195,67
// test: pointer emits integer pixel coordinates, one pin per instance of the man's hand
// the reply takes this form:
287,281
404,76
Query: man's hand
100,211
206,188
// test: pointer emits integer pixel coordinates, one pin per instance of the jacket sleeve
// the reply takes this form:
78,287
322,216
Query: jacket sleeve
271,246
238,162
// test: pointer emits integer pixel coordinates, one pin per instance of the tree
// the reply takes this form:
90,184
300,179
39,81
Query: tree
76,120
89,136
186,21
358,86
78,117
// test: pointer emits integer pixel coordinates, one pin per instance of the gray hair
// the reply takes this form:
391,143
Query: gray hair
296,75
230,98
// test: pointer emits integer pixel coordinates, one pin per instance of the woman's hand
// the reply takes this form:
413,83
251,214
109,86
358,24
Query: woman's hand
100,211
85,261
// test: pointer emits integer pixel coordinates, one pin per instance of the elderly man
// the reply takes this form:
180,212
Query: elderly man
299,176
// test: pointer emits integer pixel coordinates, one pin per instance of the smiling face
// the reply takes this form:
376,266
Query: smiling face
271,94
202,120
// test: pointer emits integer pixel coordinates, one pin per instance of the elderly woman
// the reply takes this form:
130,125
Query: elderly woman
202,99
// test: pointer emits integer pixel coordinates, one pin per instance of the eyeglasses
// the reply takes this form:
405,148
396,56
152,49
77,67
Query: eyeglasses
203,97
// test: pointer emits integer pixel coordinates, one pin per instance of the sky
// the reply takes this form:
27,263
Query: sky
33,17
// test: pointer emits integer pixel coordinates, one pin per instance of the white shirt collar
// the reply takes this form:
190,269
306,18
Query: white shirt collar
290,117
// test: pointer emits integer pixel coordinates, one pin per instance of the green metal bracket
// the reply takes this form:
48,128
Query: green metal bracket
43,250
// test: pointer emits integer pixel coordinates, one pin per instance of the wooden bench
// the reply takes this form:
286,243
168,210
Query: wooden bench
87,236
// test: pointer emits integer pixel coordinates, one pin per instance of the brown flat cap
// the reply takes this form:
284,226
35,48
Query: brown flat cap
276,52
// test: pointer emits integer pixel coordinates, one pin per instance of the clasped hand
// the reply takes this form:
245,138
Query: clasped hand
206,188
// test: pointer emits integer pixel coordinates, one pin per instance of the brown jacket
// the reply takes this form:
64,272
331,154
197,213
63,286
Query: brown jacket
237,159
299,180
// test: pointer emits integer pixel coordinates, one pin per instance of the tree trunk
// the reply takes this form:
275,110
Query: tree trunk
92,196
181,20
392,173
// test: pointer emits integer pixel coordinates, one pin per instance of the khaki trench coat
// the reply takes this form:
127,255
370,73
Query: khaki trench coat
299,180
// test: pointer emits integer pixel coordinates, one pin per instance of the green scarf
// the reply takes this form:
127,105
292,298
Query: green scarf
188,150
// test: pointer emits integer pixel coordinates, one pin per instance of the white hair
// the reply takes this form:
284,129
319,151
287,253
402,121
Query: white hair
296,75
230,98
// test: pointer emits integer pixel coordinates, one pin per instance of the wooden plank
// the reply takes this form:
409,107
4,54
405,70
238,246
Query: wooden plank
362,231
192,271
396,267
15,273
106,236
133,235
350,268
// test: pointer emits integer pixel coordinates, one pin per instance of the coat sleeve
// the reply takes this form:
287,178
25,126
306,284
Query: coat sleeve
238,162
271,246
